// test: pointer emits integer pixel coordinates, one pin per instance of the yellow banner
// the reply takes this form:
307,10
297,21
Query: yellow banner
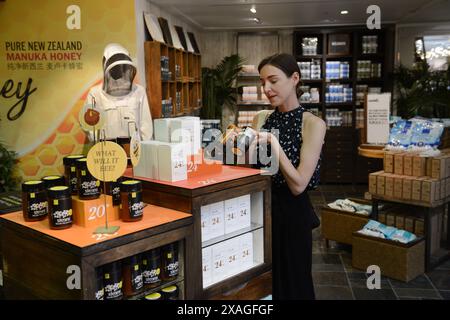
50,55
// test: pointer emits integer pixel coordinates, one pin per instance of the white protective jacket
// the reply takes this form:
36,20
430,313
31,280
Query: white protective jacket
121,100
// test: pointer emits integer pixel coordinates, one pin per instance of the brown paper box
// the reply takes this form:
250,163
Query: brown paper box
381,179
407,188
437,192
400,222
429,190
398,163
389,186
390,219
418,227
408,164
388,162
416,189
419,166
382,218
398,187
429,163
373,182
439,167
409,224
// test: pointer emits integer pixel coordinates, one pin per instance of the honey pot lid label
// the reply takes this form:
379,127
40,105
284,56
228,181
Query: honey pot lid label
153,296
32,182
169,289
51,177
59,188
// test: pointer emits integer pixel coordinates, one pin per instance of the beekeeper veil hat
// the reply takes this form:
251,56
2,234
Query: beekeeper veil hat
118,70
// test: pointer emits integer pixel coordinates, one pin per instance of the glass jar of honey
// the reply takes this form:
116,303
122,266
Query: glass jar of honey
34,200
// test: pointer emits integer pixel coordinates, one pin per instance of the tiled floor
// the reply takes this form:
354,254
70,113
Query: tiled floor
334,277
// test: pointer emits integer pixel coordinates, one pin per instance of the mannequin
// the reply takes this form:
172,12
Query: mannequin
123,102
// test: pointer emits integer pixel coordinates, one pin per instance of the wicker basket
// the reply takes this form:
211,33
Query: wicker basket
339,225
399,261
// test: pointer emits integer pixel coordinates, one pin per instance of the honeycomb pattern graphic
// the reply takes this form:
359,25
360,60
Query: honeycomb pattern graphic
56,88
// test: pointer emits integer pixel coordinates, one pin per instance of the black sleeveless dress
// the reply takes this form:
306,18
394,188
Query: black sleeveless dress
293,216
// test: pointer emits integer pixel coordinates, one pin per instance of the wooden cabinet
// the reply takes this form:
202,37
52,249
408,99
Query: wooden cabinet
191,195
342,75
172,75
38,261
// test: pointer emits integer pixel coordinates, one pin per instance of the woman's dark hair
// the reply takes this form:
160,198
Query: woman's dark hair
286,63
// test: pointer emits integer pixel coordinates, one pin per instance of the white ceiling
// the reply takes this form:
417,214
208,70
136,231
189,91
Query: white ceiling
235,14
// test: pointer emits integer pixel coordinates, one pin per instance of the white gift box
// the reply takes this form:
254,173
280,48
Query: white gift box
232,247
172,162
161,129
207,266
245,251
187,130
205,222
216,215
244,211
231,215
219,260
148,163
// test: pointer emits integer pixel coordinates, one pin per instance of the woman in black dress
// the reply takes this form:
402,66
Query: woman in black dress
298,150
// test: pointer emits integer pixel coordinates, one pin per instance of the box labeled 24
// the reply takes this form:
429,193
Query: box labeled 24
231,215
207,266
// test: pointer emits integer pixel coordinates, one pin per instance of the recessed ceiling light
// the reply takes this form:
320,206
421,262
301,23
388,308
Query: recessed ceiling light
253,9
344,12
257,20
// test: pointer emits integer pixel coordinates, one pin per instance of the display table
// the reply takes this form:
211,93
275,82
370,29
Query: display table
36,259
190,195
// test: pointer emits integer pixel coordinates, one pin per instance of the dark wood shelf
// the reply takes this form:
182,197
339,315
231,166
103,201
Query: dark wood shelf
306,57
340,56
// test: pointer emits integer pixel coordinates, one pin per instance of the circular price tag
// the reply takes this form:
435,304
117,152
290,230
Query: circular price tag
107,161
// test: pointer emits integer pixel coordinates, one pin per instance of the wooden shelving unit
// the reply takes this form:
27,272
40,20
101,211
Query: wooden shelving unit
342,164
187,83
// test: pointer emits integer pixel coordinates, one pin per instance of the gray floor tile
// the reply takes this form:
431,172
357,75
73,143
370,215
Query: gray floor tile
444,266
445,294
333,293
326,258
366,294
417,293
421,282
328,267
330,278
440,279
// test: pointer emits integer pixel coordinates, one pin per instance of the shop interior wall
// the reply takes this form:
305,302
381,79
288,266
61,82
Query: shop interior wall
142,6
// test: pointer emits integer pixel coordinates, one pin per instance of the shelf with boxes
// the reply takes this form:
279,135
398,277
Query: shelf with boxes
173,79
58,252
221,198
339,52
412,179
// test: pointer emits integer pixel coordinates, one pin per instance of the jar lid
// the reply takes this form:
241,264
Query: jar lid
153,296
170,289
130,185
59,191
70,160
33,185
81,163
51,181
122,140
48,178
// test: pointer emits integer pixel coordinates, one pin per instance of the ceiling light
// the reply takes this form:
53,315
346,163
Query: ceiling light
344,12
253,10
257,20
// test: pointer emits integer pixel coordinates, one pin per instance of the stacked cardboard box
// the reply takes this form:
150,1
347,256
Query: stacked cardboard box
409,176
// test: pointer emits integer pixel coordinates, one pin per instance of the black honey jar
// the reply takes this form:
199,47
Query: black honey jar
34,200
131,207
88,186
60,207
151,268
70,171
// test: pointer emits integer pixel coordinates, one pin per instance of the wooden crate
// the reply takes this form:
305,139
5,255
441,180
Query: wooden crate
399,261
338,225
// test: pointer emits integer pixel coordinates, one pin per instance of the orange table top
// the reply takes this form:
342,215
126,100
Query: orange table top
228,173
83,237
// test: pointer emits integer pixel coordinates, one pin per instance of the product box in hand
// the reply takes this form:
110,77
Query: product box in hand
187,130
207,266
231,215
246,251
217,224
172,162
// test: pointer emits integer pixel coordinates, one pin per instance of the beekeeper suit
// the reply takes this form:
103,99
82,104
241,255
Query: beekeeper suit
123,102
